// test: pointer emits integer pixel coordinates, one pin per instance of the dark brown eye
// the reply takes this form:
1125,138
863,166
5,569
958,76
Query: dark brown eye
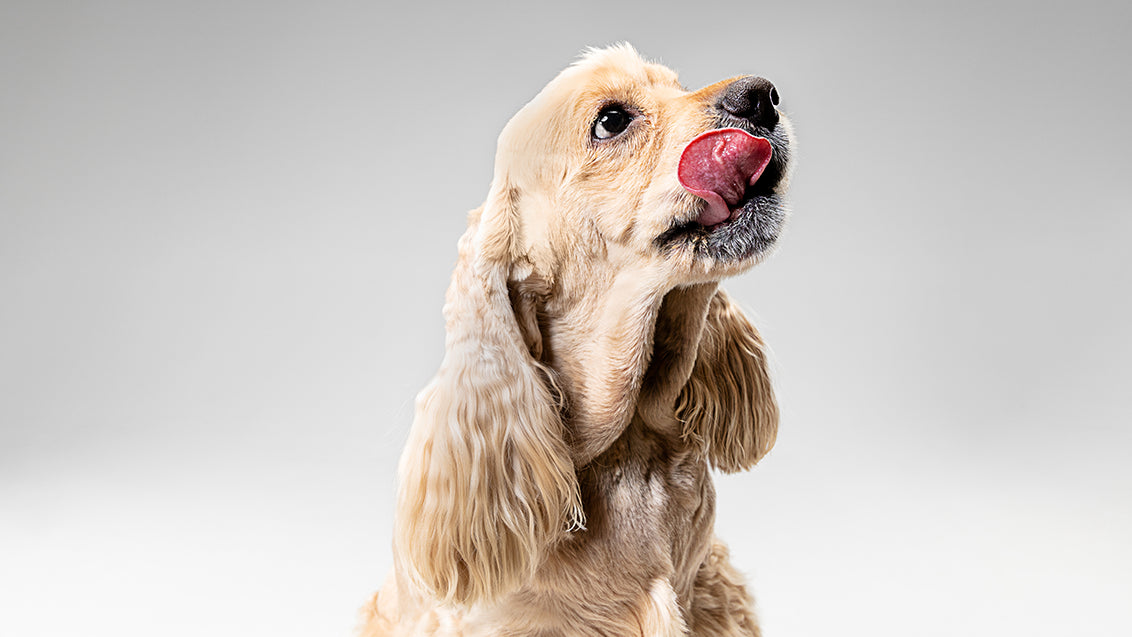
611,122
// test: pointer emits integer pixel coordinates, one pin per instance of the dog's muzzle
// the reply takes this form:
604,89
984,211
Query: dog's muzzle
735,169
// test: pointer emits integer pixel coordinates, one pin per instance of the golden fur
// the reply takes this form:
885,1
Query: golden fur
555,481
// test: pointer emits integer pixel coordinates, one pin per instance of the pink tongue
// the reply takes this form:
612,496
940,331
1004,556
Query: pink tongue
718,166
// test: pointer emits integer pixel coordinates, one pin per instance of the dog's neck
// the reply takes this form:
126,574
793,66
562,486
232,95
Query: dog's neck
624,344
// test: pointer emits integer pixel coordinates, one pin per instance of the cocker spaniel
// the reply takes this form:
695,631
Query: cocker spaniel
556,479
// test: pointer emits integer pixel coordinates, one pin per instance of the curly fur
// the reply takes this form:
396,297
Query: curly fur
715,405
555,481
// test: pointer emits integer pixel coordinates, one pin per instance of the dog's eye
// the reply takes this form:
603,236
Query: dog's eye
611,122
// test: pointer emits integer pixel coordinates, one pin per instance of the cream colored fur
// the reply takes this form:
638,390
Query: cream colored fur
555,481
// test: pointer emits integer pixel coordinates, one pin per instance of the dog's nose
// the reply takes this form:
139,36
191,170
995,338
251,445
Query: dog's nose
753,99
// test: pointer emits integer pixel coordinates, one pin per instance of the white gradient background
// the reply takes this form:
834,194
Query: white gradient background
226,230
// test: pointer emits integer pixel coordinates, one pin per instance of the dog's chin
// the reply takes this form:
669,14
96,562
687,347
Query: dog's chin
749,233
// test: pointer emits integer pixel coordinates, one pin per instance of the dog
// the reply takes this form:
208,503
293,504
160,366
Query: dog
556,477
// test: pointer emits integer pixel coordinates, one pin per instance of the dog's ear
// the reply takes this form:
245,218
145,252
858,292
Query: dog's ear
729,402
486,480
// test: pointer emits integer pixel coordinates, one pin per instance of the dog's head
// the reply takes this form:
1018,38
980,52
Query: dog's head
615,156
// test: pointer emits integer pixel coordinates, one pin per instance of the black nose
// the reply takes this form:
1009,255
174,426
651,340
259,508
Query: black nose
753,99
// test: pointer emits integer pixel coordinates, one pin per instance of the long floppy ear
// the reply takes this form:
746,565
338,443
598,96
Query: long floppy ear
486,480
729,402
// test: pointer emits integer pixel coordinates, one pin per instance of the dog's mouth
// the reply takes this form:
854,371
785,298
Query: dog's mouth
723,167
736,175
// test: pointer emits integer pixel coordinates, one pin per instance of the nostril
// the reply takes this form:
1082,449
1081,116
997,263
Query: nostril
753,99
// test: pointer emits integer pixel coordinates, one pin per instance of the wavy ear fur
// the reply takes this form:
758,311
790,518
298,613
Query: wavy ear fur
729,402
486,480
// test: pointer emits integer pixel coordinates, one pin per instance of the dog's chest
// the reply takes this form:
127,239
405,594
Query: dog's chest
649,510
646,487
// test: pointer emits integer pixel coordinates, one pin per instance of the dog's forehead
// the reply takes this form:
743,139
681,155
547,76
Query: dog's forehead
566,105
624,60
619,65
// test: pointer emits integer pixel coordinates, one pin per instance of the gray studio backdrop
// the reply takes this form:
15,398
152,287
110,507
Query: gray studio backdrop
226,230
